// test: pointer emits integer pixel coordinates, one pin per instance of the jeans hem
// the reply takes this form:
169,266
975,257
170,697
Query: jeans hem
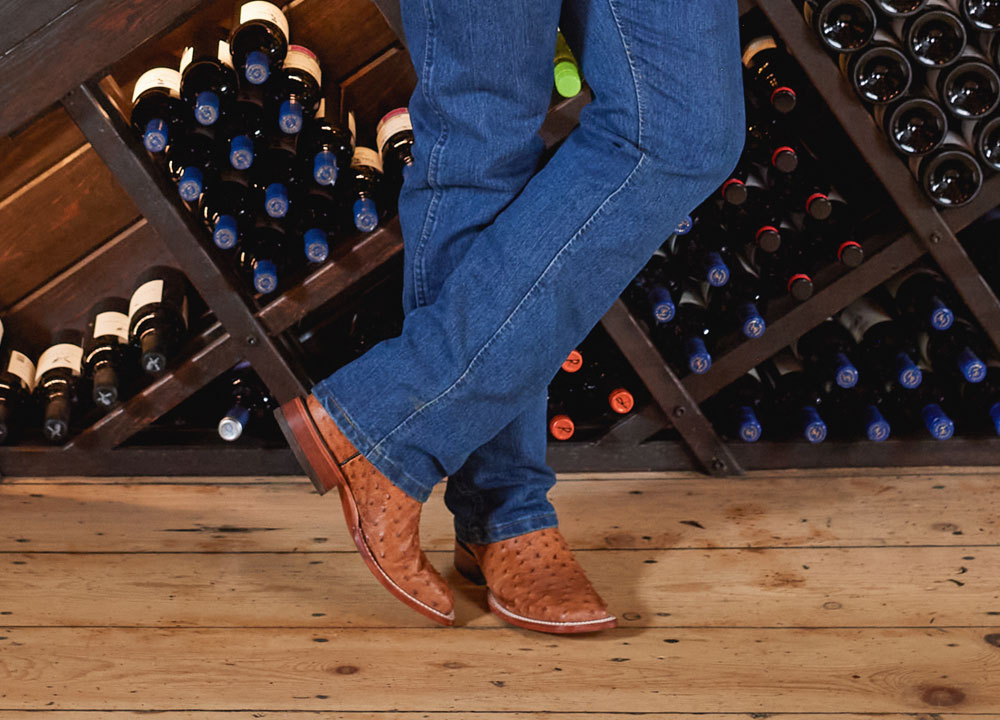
377,457
514,528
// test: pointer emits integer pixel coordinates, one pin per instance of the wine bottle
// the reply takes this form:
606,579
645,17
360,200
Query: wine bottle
208,81
951,175
106,351
769,71
740,304
880,73
914,125
788,271
275,180
561,425
596,393
981,15
228,211
157,111
249,399
957,352
17,381
298,89
565,70
770,142
757,220
793,399
243,131
928,407
395,147
366,170
886,350
158,316
704,252
735,410
56,380
983,136
968,89
733,190
315,224
834,239
843,26
855,412
685,342
899,8
192,164
259,40
807,190
981,401
325,145
924,298
653,292
827,351
264,255
934,37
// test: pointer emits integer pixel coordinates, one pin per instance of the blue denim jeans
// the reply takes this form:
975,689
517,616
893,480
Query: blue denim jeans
507,269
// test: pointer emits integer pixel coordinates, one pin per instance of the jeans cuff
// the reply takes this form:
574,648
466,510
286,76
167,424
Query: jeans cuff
479,535
396,475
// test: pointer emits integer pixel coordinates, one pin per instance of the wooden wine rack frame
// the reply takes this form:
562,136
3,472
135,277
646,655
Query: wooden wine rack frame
248,330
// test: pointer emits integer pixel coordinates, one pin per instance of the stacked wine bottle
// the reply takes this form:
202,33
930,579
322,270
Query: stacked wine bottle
903,359
594,388
927,69
261,149
124,341
771,226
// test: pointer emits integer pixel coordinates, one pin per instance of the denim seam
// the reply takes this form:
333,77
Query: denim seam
635,72
527,296
433,162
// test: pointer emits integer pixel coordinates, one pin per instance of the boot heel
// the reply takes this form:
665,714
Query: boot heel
466,564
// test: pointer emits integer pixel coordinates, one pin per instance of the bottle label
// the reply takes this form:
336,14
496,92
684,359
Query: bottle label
148,292
186,59
755,46
20,366
353,128
807,12
322,108
166,78
862,315
752,372
225,56
305,60
259,10
786,362
366,157
63,355
111,323
396,121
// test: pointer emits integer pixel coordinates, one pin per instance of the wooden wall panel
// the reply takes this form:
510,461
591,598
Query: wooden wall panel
346,34
21,18
37,147
383,84
77,44
109,270
57,218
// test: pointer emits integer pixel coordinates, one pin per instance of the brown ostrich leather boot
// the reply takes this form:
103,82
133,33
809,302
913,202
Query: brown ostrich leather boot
384,521
534,582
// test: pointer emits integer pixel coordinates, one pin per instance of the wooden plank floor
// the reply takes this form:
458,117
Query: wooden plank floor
820,595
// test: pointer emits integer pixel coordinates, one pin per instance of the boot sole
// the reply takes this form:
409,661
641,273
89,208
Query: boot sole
468,567
312,452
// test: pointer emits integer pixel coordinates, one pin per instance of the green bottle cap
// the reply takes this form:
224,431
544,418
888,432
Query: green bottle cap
567,79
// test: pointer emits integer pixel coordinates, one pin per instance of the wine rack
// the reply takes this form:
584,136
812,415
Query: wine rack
245,328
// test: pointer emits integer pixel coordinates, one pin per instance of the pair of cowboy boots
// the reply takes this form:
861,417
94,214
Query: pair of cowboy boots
533,580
